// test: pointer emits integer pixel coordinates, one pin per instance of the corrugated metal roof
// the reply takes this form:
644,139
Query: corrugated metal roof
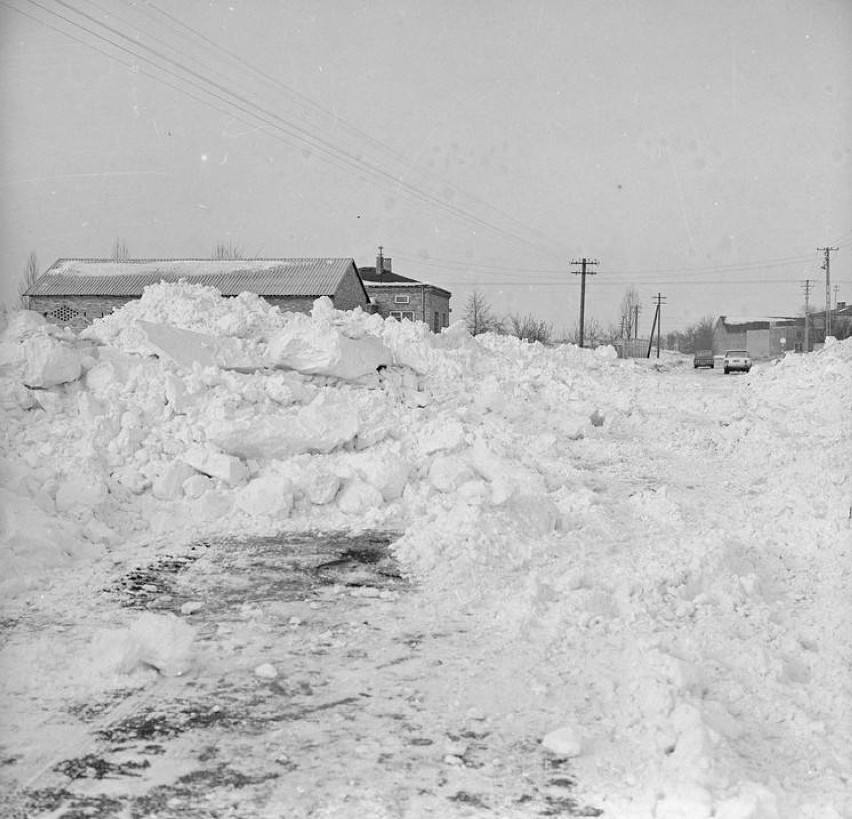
266,277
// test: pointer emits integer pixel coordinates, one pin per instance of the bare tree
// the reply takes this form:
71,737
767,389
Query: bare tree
529,328
478,317
28,278
628,314
227,250
698,336
594,334
120,253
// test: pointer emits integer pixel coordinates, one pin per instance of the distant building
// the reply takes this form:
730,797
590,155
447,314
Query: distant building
400,297
74,292
768,336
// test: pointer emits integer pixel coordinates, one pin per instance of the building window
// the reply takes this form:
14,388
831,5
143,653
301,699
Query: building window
64,313
398,299
405,314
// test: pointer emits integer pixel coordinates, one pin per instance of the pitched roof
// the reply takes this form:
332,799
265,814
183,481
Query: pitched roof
372,279
266,277
758,322
368,274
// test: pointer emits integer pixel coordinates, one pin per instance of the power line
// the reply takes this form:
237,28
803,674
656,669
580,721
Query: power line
314,106
327,151
434,261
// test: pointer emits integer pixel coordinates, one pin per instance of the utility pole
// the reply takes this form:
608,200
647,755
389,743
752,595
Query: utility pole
659,300
806,286
583,273
827,268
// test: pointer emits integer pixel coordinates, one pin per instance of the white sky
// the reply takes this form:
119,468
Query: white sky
699,149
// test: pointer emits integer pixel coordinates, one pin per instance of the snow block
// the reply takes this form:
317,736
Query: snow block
80,491
385,471
564,742
358,496
163,641
169,485
321,488
322,426
195,486
49,362
270,495
448,472
216,464
323,350
186,348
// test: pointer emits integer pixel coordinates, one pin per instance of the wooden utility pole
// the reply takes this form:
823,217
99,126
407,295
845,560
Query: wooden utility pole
659,300
806,286
827,268
583,272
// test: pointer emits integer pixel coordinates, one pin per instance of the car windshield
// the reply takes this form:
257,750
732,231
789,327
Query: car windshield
740,353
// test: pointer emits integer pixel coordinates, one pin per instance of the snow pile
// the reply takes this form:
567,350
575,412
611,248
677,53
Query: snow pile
677,640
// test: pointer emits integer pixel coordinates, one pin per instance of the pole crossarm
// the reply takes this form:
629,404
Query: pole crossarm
583,272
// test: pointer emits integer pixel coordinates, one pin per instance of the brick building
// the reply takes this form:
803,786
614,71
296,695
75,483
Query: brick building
74,292
401,297
769,336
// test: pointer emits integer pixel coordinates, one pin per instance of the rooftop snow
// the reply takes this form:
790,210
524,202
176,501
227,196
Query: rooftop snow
266,277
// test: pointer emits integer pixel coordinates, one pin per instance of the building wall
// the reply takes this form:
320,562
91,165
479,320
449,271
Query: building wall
766,342
423,302
350,293
758,343
292,304
725,339
76,312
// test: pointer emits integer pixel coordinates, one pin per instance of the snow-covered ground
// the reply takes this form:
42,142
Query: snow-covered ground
652,563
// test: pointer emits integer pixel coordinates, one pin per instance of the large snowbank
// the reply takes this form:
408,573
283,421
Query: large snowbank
689,649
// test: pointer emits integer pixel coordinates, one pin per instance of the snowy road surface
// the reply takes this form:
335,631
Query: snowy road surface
639,565
317,697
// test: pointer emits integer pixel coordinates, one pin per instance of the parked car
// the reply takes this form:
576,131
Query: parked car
703,358
737,360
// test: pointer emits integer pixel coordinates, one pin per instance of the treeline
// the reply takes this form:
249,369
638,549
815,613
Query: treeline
479,317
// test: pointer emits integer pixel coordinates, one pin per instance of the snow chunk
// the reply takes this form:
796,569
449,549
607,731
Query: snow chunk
161,641
187,348
33,543
448,472
80,491
320,349
270,495
216,464
358,496
564,742
48,362
266,671
170,484
327,423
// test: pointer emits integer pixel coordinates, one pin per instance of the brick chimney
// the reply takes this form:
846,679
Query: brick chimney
383,264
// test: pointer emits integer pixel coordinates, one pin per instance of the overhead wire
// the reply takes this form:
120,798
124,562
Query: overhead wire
328,151
368,138
297,135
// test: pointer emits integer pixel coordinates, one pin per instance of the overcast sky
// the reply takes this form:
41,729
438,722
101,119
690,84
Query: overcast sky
698,149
